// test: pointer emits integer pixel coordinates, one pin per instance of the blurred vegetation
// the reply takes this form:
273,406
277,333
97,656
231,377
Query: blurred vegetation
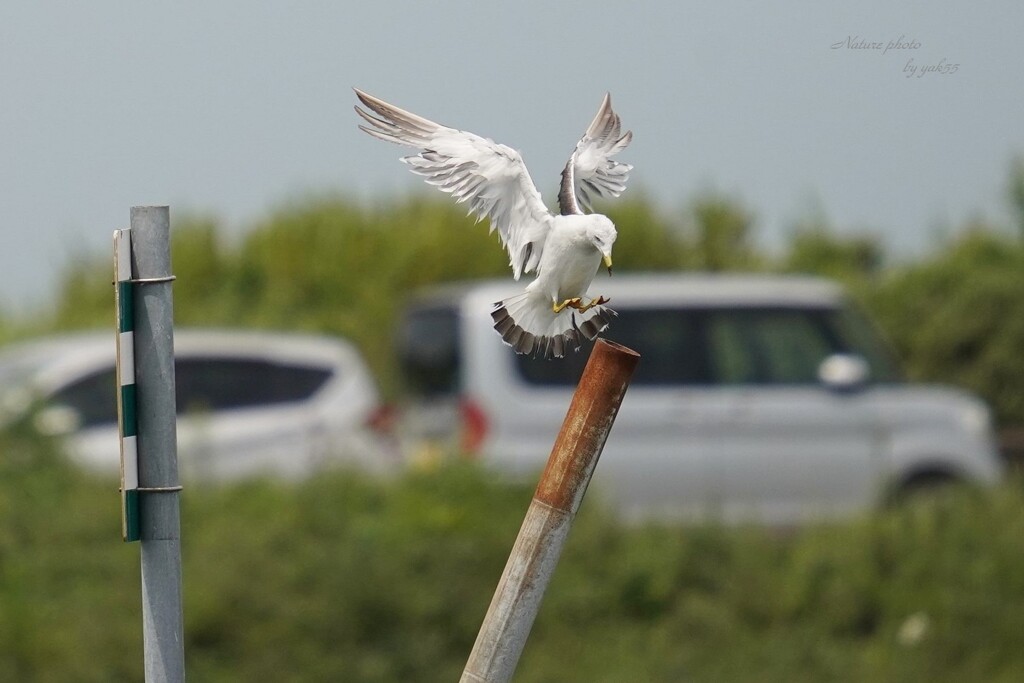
345,579
958,317
332,265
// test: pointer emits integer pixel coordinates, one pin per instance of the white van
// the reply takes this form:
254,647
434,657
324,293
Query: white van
760,397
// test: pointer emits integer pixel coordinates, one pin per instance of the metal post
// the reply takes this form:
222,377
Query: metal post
545,528
163,645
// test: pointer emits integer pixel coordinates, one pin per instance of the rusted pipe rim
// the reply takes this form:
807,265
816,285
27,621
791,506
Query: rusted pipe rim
618,347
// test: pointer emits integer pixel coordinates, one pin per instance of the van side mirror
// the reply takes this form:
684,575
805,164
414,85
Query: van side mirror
843,372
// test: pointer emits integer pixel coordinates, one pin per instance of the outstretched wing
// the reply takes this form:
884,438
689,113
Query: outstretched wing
591,170
491,177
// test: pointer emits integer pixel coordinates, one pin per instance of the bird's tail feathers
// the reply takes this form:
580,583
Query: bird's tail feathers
527,323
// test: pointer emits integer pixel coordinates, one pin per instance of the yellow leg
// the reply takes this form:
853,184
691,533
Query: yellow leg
577,303
572,303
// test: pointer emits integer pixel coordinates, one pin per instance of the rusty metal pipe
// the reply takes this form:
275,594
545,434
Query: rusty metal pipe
546,526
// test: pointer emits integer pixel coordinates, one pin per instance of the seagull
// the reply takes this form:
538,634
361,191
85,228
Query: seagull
554,312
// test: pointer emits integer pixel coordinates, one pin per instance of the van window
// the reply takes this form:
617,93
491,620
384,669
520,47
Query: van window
699,346
758,346
733,346
667,340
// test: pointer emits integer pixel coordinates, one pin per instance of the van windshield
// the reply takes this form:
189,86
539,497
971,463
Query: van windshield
858,335
428,350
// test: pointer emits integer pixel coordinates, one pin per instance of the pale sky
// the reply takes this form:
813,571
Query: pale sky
232,108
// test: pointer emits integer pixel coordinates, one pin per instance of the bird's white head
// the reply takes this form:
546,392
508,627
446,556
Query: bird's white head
602,235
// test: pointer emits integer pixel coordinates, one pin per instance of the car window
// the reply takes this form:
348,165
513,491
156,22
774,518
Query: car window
767,346
225,383
93,398
667,340
201,384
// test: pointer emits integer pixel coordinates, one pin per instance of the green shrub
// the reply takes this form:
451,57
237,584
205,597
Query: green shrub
346,578
956,318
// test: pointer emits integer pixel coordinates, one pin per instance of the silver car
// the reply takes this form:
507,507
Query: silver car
757,397
249,403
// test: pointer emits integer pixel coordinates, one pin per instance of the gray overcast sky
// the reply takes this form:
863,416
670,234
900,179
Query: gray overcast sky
232,108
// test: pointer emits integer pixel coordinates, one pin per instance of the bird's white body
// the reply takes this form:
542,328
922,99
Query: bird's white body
570,259
565,251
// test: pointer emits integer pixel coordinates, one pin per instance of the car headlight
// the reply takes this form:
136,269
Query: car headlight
976,419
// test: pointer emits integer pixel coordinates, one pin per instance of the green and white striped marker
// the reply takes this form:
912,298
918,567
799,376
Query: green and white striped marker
128,424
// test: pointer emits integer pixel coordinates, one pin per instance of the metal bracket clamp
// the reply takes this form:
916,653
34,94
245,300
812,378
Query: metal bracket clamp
159,489
152,280
147,280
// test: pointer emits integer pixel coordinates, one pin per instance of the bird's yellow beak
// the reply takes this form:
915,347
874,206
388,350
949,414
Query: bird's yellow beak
608,263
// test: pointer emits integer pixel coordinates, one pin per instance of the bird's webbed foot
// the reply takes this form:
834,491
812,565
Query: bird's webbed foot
593,302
